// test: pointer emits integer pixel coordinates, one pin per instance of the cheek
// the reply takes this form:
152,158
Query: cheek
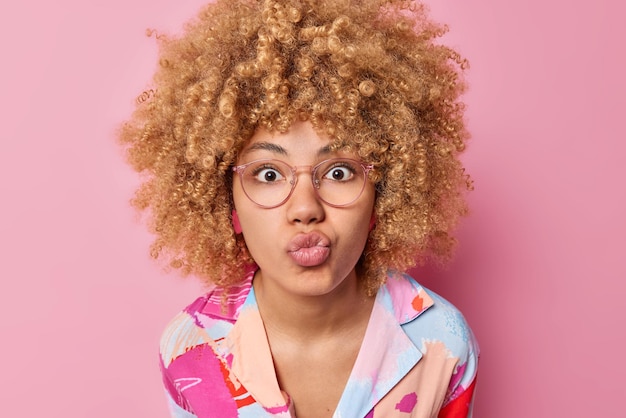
362,224
242,206
256,224
362,230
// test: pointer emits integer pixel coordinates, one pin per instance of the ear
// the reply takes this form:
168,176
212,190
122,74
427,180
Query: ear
372,221
235,222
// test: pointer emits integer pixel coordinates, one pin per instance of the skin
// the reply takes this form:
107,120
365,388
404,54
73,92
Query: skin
315,316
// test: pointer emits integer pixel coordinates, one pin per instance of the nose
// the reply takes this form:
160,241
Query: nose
304,206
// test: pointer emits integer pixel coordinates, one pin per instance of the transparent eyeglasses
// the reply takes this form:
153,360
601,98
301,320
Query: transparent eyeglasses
269,183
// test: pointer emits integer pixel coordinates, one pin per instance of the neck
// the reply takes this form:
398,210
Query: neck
309,317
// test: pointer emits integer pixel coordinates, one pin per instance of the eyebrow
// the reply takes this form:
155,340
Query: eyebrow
277,149
325,150
267,146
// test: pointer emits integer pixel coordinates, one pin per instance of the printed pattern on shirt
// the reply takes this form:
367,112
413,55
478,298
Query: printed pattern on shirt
418,359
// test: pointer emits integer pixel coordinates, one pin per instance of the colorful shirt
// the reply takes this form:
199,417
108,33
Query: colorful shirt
418,359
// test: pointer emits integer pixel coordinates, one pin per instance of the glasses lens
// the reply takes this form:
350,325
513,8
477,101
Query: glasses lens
340,181
267,182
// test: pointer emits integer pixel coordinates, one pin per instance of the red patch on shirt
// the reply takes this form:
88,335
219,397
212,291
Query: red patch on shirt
418,303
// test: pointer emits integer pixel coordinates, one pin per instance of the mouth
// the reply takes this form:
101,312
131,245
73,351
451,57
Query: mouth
309,250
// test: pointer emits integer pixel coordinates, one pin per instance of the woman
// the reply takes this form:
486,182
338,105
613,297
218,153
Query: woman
300,155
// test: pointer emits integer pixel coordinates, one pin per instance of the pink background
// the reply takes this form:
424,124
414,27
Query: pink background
539,270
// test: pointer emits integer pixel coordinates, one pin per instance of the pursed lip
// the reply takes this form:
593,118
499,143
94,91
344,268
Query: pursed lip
310,249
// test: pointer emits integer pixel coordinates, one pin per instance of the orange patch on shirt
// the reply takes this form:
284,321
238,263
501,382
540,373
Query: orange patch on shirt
418,303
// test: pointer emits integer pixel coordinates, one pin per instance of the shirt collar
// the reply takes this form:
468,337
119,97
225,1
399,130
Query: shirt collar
403,296
251,359
387,354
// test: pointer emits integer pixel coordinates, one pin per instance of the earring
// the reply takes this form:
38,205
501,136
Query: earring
372,222
235,222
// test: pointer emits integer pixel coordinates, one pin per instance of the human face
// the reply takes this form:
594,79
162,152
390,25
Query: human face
303,247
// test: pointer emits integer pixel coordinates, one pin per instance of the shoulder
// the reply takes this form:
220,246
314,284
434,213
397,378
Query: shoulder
437,320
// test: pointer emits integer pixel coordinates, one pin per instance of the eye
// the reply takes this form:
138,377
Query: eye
340,172
267,174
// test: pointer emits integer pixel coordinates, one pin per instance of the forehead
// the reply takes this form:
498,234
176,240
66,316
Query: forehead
300,140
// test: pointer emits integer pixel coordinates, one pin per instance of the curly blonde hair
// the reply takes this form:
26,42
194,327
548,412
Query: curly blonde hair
367,73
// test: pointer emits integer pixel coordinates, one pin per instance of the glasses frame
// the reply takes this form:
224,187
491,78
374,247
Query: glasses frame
294,171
